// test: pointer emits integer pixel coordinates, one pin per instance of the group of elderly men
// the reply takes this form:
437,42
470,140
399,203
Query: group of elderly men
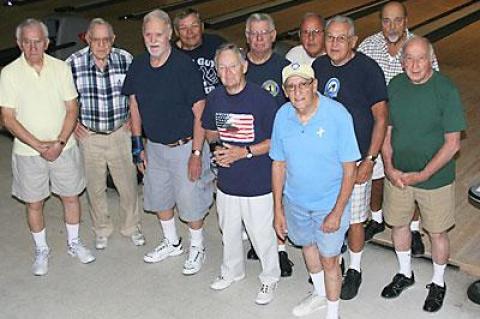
296,143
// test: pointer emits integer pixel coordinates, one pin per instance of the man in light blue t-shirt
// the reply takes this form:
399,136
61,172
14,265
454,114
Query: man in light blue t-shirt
314,149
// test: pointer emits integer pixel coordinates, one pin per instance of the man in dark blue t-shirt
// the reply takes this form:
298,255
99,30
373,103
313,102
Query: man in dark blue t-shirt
265,69
199,46
358,83
239,116
167,100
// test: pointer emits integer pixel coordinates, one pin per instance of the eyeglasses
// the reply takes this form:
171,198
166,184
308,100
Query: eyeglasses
33,43
224,68
255,34
302,86
395,21
98,41
185,27
310,32
341,39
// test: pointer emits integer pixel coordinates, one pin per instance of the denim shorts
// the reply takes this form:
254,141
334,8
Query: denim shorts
304,228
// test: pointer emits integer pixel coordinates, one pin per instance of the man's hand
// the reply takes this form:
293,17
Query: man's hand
331,223
229,154
53,151
395,177
80,132
364,171
194,167
141,166
280,224
412,178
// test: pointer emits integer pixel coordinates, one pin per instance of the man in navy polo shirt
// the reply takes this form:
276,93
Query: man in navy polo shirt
314,150
167,101
265,69
198,45
239,115
357,82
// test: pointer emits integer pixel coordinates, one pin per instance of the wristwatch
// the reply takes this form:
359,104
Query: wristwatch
371,158
249,152
196,152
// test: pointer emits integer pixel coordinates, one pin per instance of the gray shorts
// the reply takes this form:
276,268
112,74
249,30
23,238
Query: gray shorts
34,177
166,182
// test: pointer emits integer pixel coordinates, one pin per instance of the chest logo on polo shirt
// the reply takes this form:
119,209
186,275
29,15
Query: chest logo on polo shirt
272,87
332,87
320,132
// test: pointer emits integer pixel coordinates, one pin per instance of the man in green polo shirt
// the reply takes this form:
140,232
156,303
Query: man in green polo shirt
39,106
426,119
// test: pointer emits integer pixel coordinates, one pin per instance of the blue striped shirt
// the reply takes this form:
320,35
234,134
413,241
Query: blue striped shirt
103,108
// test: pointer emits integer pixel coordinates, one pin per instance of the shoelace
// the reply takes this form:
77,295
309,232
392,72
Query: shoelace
265,288
41,254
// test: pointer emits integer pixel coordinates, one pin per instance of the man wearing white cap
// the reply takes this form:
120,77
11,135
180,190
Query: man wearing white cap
313,143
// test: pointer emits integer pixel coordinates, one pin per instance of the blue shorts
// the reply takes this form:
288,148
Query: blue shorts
304,228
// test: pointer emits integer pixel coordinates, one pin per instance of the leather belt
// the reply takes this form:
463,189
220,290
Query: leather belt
104,133
180,142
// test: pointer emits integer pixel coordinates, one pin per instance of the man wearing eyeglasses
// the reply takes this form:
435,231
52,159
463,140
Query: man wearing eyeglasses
198,45
103,133
314,150
358,83
239,116
311,38
265,69
39,107
385,47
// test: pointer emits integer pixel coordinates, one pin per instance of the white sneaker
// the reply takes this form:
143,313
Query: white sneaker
221,283
138,238
310,304
40,265
162,251
77,249
194,261
101,242
266,294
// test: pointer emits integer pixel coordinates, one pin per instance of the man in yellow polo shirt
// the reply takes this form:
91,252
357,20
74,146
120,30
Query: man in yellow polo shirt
38,100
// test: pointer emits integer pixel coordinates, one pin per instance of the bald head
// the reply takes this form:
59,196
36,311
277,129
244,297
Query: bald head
394,6
394,22
417,55
312,34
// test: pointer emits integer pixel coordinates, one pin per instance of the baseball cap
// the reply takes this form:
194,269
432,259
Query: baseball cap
296,69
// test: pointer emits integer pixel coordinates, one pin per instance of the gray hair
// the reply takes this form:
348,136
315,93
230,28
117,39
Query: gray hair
158,15
315,15
255,17
416,38
230,47
30,23
100,21
343,19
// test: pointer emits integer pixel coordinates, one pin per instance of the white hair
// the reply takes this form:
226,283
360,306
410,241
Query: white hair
30,23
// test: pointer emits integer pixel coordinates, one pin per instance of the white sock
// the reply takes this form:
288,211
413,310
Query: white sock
72,233
332,309
196,237
378,216
318,280
404,262
438,272
415,225
355,260
40,239
170,231
281,247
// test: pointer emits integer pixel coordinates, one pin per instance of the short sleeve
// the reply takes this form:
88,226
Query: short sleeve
453,116
208,116
68,85
276,152
376,87
7,91
129,82
270,111
192,83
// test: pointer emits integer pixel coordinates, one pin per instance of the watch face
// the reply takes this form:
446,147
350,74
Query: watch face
249,155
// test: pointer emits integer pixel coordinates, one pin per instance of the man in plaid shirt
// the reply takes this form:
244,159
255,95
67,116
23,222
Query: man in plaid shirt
385,48
103,131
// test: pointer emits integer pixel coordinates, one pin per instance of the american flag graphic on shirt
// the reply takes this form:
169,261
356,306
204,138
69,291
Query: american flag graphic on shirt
235,127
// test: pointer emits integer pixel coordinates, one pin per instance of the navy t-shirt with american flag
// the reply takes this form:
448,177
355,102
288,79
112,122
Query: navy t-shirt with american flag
242,119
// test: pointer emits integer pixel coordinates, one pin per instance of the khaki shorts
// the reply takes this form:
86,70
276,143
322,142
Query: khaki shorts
437,206
34,177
